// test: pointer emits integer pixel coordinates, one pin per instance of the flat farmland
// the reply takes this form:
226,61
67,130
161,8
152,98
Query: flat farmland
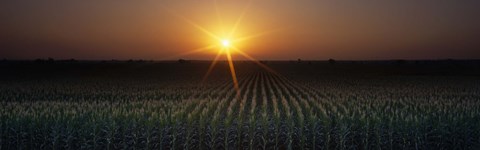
295,105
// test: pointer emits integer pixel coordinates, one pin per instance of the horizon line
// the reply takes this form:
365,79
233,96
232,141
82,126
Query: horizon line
298,59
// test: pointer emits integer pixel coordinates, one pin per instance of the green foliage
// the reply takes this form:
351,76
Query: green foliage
272,111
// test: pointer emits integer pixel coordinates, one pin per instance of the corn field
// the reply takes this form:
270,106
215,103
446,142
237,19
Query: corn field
167,106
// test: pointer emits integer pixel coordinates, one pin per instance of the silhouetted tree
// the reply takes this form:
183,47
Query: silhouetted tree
72,60
182,61
299,60
331,61
39,60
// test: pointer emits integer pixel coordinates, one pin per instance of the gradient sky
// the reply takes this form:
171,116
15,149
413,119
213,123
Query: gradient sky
321,29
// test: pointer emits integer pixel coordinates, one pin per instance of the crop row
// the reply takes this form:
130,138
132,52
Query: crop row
268,112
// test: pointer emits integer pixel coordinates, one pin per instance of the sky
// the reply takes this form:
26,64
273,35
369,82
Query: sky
276,29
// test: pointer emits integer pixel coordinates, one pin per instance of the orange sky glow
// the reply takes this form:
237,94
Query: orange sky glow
271,30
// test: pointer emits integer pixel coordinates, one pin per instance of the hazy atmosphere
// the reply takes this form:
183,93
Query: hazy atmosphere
427,29
240,74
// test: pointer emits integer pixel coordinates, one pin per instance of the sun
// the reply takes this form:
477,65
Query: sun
225,43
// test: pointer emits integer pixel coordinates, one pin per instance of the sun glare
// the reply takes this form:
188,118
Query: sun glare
225,43
226,46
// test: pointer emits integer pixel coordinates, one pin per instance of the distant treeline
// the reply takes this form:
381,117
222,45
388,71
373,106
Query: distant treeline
330,61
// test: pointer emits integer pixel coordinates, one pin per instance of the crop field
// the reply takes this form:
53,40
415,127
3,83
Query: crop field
298,105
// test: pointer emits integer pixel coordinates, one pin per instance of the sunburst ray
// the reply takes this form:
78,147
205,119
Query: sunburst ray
234,29
201,28
225,43
245,38
255,61
219,18
191,52
192,23
232,71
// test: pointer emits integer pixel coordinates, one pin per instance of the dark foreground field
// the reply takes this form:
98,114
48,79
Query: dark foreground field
304,105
